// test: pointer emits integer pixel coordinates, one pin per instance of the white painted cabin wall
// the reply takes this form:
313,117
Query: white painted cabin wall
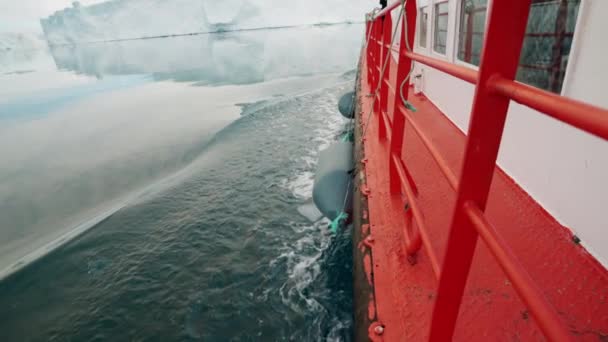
562,168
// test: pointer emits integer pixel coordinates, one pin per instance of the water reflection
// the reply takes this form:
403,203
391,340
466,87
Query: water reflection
79,142
243,57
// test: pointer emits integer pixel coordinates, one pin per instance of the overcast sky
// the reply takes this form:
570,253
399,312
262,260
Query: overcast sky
24,15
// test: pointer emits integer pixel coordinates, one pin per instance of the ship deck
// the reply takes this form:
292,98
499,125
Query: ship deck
403,294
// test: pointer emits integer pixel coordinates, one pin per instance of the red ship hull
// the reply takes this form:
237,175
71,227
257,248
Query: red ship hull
396,291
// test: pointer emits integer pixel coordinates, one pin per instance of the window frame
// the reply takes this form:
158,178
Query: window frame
447,33
458,18
421,10
573,57
572,54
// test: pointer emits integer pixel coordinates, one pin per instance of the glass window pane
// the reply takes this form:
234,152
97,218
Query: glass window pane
424,20
547,44
440,27
471,31
546,48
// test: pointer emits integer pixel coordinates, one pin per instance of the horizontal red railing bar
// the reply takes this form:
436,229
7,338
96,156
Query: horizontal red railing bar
461,72
589,118
412,244
387,124
387,119
437,157
543,312
394,47
387,9
388,84
409,193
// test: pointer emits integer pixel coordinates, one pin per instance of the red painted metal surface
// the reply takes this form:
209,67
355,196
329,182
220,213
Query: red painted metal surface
500,56
442,190
387,9
461,72
589,118
541,309
437,157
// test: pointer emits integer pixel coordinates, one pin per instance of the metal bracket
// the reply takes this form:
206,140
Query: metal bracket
375,331
369,241
365,190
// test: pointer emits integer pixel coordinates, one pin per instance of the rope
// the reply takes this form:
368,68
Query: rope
363,47
368,32
343,216
406,103
338,222
388,55
351,124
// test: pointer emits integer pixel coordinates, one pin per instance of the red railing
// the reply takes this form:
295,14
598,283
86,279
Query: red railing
495,89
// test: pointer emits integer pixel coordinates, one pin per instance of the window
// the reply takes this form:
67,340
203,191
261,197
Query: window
472,29
546,48
424,24
547,43
440,31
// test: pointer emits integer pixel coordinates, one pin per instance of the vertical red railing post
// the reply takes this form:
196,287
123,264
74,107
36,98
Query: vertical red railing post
375,51
378,61
404,67
387,28
380,50
368,54
376,39
500,58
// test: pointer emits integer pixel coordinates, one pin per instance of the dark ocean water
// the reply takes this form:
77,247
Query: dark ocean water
219,252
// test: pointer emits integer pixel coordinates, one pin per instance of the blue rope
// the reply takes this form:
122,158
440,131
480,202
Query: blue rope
338,222
410,106
348,136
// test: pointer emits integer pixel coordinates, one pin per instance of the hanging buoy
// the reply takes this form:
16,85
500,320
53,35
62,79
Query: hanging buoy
348,135
346,105
333,187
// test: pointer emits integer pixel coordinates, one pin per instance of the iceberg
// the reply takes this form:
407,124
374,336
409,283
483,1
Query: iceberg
131,19
20,51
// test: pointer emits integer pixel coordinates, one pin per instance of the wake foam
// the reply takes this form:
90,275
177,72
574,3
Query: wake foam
304,258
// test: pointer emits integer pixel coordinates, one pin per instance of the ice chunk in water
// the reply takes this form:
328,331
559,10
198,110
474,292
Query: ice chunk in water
310,211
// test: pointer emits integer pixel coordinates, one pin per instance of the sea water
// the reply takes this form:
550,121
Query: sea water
154,189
